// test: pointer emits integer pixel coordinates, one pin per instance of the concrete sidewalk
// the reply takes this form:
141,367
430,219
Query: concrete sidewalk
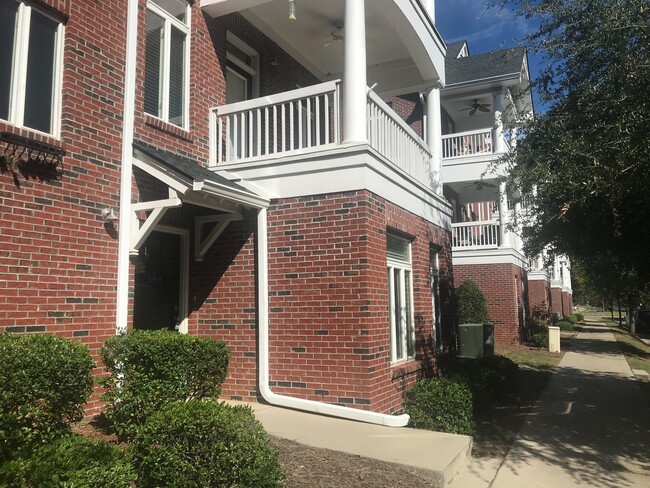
433,455
590,427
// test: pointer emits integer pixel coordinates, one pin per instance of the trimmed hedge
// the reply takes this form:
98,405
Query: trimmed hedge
71,461
565,325
540,339
472,304
205,444
573,319
151,369
45,380
579,316
490,378
440,404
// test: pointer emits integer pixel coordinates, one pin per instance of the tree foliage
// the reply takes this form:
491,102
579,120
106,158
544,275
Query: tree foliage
587,158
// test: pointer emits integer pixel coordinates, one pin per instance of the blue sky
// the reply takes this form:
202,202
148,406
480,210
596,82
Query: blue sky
483,29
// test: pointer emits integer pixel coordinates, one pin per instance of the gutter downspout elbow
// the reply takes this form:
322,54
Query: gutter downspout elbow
264,373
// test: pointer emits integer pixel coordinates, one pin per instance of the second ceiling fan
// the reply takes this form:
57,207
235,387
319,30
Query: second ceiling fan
474,107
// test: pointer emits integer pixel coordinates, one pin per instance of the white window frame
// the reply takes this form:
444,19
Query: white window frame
252,69
16,113
403,335
434,273
163,97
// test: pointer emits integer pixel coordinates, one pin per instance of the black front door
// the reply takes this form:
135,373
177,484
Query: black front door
157,283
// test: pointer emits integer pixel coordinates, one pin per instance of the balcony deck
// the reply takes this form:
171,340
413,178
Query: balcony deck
308,120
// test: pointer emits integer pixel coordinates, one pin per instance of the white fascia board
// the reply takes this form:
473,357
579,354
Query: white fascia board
346,168
488,256
229,193
160,172
217,8
471,168
538,276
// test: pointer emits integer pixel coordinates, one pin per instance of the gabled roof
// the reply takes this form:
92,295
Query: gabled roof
191,179
500,64
186,167
453,50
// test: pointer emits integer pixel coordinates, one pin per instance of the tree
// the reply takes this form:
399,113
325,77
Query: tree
586,159
472,304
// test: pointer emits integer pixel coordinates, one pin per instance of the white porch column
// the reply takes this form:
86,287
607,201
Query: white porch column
499,143
355,85
430,7
434,137
503,215
517,217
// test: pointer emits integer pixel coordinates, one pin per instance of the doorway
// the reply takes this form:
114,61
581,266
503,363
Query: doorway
160,297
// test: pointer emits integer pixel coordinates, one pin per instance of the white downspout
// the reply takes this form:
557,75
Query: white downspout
124,242
265,390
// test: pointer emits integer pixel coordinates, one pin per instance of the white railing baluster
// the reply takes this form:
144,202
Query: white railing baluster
480,234
317,120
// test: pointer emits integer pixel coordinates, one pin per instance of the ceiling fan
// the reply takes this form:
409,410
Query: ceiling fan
480,184
481,107
338,34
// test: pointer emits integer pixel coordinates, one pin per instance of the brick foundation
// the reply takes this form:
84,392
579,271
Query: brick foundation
504,286
539,300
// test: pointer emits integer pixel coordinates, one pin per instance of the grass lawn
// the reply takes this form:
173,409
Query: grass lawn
635,351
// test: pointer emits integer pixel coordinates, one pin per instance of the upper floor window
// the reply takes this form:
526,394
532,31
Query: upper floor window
400,297
31,47
166,93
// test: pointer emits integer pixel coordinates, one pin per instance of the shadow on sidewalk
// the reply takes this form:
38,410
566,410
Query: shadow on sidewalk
593,425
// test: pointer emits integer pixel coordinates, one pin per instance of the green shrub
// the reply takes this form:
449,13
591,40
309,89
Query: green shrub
565,325
205,444
490,378
571,318
472,305
441,404
71,461
540,339
45,381
150,369
579,316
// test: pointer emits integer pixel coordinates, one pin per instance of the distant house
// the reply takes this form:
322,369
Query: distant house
485,100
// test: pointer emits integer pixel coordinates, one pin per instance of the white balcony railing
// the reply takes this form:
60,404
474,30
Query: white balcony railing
463,144
482,234
294,121
389,135
306,120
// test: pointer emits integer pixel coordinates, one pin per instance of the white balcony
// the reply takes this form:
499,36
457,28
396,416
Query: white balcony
307,121
468,143
475,235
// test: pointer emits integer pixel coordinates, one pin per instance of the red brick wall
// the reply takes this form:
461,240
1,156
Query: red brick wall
556,301
503,287
567,303
58,263
328,300
539,298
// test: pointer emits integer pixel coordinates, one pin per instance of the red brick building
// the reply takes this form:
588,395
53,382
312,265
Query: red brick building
484,100
199,166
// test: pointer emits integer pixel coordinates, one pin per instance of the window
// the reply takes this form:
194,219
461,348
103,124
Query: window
435,298
166,93
400,292
31,46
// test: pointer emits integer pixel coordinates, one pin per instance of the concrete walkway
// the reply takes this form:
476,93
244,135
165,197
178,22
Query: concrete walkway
433,455
590,427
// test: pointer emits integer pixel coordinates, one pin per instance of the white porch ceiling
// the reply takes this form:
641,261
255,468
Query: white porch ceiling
395,31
